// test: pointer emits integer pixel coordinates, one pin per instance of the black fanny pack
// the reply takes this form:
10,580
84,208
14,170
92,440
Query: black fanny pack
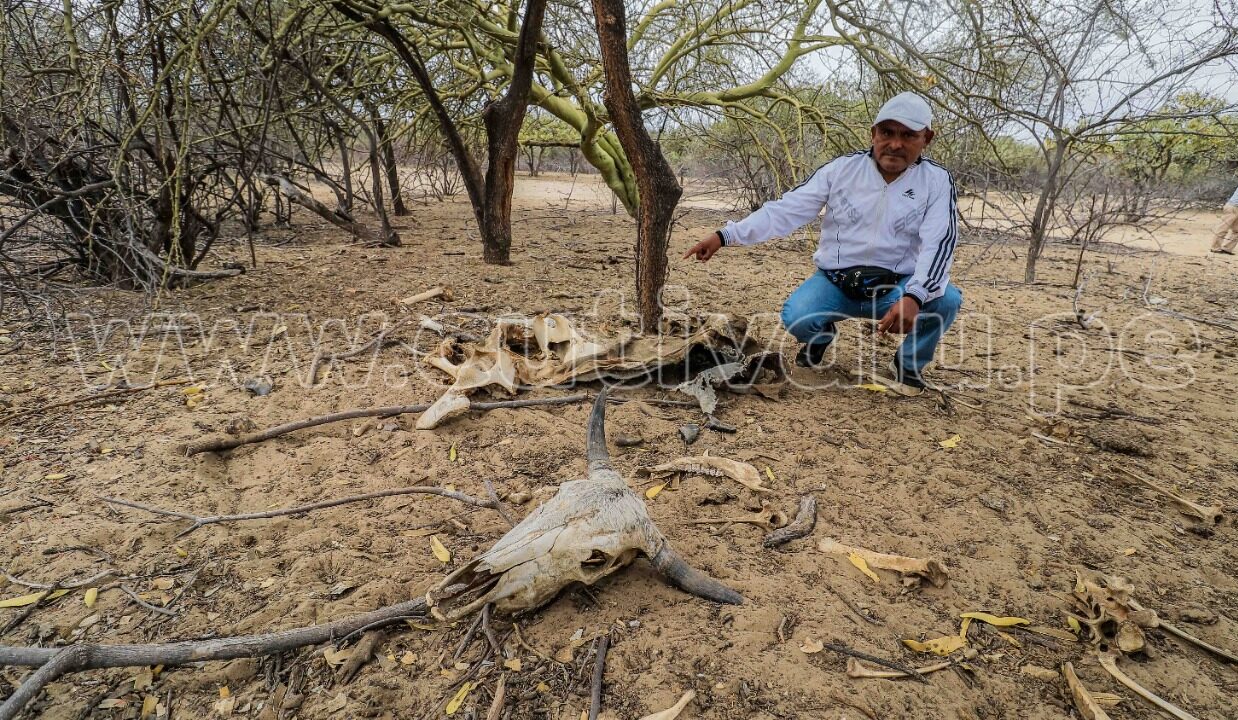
864,282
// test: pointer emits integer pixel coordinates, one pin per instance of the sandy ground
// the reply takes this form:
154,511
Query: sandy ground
1024,497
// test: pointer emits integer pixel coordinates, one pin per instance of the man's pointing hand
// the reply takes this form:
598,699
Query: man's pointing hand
706,248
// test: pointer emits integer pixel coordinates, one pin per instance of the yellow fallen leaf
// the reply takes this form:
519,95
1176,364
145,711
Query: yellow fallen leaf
106,451
91,595
180,551
418,532
513,664
24,600
863,566
1129,551
107,366
1074,625
994,620
770,474
950,442
451,454
55,476
963,629
163,583
191,390
543,687
224,692
458,700
408,658
938,646
440,552
874,387
420,626
148,706
652,492
811,646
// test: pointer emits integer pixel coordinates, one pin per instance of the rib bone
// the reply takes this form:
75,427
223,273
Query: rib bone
1210,515
1110,663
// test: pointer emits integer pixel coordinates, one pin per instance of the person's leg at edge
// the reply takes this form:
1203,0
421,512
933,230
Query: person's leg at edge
934,320
810,312
1227,228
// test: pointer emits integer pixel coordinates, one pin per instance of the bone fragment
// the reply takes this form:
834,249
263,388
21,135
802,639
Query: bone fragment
1210,515
1088,707
859,671
673,711
928,568
765,519
444,292
1184,635
451,404
1109,662
740,472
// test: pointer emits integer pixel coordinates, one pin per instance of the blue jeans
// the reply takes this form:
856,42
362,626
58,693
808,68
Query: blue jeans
811,311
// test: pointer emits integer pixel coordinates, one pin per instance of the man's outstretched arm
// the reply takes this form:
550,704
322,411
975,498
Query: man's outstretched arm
774,219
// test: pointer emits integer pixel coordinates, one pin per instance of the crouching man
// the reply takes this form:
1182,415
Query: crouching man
887,242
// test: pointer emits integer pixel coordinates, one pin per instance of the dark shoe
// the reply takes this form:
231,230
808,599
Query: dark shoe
811,356
909,378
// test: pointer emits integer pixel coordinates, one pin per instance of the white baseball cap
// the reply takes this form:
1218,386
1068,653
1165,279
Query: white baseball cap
909,109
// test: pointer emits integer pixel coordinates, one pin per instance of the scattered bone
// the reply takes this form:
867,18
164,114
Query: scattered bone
1087,705
928,568
590,529
689,433
740,472
1209,515
1110,663
858,670
766,519
802,526
443,292
446,407
1106,610
673,711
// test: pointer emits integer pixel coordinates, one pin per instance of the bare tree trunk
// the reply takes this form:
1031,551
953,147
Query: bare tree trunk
655,180
1045,205
346,161
503,119
393,173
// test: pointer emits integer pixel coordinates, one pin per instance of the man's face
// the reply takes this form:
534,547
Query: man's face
895,146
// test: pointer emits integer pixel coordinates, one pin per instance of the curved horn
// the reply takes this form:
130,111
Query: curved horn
596,452
689,579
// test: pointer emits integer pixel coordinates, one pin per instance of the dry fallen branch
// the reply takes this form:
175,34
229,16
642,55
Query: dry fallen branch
599,670
893,665
200,521
928,568
225,443
55,662
802,526
91,398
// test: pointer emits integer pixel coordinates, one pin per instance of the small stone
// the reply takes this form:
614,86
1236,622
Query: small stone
1040,673
259,386
1197,614
993,502
520,497
625,441
715,424
689,433
240,426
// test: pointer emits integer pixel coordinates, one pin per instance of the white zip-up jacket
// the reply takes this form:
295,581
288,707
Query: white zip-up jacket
909,226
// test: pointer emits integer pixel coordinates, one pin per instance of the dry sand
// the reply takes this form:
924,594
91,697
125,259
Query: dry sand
1023,499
